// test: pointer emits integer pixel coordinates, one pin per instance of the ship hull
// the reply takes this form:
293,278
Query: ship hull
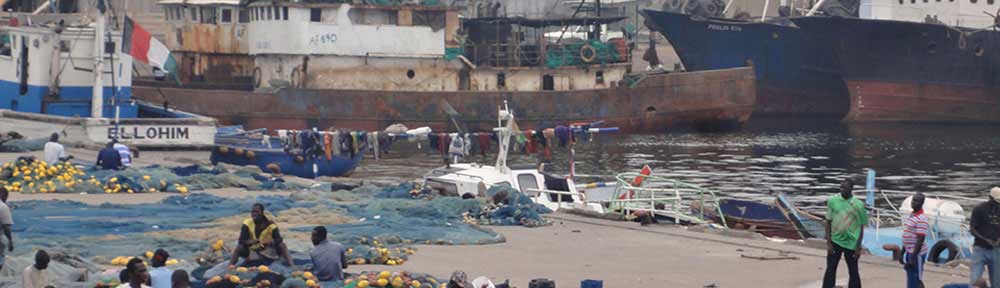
794,75
701,100
910,72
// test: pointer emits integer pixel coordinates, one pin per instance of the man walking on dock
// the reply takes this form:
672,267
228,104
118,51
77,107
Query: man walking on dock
845,219
915,230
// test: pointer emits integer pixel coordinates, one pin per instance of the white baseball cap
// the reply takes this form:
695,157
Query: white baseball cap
995,193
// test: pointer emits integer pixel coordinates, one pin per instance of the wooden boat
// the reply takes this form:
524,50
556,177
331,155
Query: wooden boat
806,224
238,147
752,215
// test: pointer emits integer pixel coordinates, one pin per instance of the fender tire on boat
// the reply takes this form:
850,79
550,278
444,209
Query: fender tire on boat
941,246
223,150
587,53
238,151
250,154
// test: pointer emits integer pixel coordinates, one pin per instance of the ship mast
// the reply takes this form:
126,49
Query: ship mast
505,129
97,100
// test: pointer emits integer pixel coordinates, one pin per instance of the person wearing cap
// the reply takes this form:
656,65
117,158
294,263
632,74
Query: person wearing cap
985,227
160,275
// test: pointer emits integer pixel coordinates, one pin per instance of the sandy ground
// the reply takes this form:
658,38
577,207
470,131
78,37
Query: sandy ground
574,248
626,255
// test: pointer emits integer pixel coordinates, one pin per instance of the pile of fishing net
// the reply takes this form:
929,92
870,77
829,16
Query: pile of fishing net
74,219
570,54
23,145
29,176
509,207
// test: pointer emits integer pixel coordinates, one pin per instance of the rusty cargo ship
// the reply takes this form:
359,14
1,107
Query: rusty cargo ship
913,72
291,64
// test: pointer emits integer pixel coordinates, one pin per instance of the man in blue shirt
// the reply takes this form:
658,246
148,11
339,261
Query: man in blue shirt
327,257
109,158
160,275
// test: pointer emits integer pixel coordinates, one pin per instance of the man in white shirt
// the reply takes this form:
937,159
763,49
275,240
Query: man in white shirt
6,222
160,276
37,276
54,152
125,153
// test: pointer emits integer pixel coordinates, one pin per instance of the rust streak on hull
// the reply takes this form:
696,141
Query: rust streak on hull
882,101
656,103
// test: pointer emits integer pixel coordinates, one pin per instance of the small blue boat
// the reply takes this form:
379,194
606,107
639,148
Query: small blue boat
238,147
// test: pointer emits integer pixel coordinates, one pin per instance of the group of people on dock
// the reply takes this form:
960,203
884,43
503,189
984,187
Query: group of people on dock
846,217
114,156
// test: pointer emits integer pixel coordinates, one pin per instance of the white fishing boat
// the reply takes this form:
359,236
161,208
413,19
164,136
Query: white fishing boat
552,191
630,192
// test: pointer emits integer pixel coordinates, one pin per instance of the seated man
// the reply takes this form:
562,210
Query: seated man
260,242
327,257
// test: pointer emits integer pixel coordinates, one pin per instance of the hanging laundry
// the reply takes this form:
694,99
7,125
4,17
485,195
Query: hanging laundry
434,142
328,145
468,144
484,142
457,147
385,141
444,141
529,146
345,142
373,141
548,137
563,133
354,143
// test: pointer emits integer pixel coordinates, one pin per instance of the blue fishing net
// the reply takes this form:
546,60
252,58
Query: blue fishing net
23,145
73,219
135,180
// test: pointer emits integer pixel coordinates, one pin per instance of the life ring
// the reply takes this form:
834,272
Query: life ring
250,154
588,54
941,246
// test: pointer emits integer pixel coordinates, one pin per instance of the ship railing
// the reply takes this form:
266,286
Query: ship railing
532,55
893,216
665,197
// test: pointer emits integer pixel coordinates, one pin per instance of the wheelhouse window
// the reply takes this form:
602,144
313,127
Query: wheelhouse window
244,16
6,44
527,181
208,15
227,15
316,15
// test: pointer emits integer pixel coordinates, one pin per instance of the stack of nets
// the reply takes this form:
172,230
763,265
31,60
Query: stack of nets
569,54
510,208
23,145
30,176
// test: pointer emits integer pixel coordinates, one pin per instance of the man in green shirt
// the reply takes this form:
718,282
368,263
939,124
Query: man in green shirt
845,220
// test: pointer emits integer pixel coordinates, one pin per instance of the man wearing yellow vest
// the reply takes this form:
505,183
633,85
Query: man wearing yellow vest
260,242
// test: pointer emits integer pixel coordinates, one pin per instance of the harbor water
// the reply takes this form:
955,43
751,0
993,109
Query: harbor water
803,159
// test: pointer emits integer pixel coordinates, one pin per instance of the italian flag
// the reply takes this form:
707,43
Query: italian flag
138,43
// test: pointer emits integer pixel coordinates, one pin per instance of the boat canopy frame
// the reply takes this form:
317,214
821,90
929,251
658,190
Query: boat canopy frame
663,196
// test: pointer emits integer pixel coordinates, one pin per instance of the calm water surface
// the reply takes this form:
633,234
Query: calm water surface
804,159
